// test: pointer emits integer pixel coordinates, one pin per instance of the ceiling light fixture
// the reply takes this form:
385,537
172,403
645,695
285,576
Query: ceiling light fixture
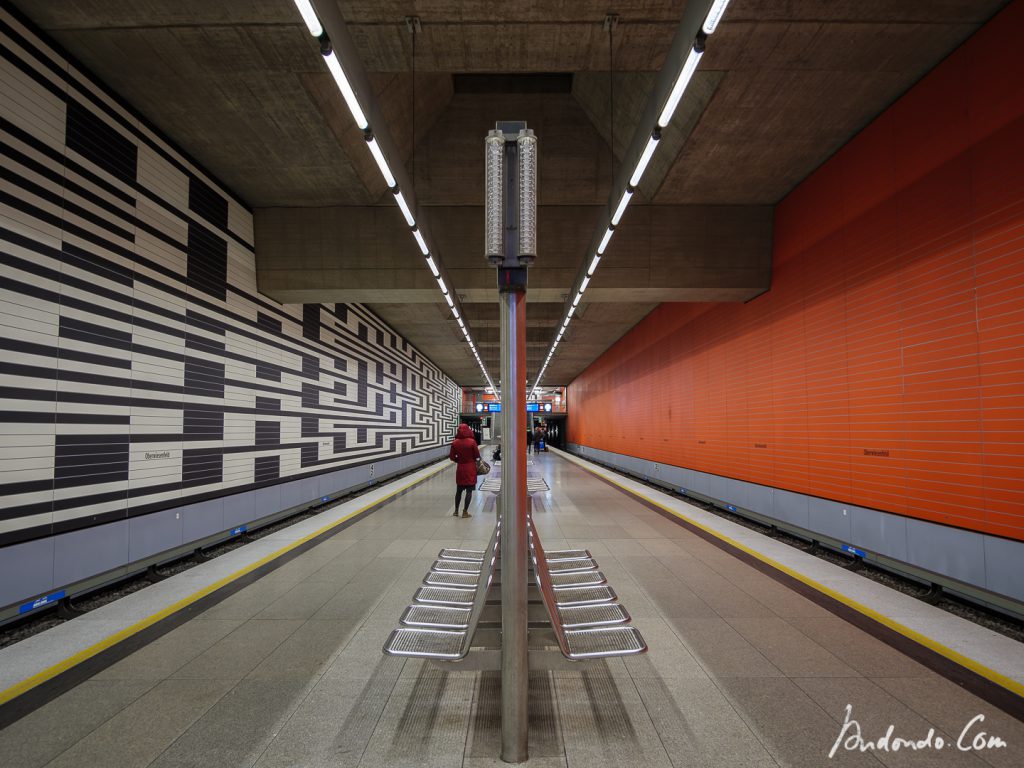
714,16
604,240
683,80
382,162
346,88
400,199
309,16
623,202
421,242
645,158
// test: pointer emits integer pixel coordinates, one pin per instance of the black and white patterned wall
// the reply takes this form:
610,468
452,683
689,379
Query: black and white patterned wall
140,369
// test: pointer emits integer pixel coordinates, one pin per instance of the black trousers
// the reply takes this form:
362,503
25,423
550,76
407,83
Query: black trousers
469,495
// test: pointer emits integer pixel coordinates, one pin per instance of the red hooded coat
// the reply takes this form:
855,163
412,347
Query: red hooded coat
464,453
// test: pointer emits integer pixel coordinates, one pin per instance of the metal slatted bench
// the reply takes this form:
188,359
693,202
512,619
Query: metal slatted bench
442,619
586,617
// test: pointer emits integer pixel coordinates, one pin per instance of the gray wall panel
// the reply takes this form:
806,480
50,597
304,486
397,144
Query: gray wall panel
80,554
736,493
701,483
203,518
268,501
26,570
879,532
956,553
1004,566
829,518
157,532
291,493
239,508
791,507
759,498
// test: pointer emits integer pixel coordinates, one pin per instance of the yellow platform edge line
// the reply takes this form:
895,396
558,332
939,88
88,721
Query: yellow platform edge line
87,653
955,656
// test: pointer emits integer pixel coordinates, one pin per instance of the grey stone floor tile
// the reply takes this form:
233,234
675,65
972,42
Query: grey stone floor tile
605,723
790,725
667,657
790,650
44,734
721,650
300,602
306,652
675,600
362,657
424,724
332,726
247,602
497,762
868,655
658,546
782,600
166,655
484,738
237,653
951,708
699,726
236,730
140,732
874,710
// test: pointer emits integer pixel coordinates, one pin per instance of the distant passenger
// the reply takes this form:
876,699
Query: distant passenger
464,452
538,438
529,440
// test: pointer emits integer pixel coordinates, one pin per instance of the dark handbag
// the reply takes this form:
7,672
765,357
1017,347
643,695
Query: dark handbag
482,467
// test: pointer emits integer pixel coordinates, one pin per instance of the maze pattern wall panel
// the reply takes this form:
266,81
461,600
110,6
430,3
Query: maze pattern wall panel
140,369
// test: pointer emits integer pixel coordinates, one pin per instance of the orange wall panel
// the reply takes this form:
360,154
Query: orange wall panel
886,365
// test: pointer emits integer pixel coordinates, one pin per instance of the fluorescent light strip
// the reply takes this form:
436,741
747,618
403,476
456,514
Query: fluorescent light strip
714,16
584,284
382,163
462,325
565,323
623,202
577,300
309,16
421,242
692,60
604,241
594,263
433,267
346,89
442,286
400,199
448,298
572,310
645,159
456,313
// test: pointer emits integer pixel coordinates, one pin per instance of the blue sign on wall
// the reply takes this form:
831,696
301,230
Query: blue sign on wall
39,602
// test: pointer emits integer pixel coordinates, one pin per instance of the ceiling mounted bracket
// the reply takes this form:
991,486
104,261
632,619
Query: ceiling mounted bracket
412,23
611,22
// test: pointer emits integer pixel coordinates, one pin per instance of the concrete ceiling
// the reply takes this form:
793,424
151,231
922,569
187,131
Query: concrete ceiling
240,85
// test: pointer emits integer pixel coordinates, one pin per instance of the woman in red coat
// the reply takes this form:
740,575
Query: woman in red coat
464,452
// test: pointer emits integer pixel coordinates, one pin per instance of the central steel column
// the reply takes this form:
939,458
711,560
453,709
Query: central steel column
510,244
515,673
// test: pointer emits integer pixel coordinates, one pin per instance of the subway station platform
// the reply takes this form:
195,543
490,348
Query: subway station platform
759,655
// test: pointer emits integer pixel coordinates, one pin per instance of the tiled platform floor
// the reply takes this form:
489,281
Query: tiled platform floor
288,671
